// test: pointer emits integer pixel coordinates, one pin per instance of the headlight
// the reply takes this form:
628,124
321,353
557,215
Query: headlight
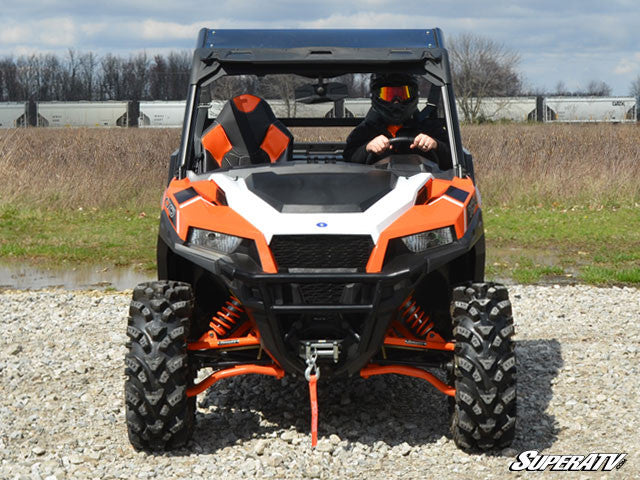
425,240
214,240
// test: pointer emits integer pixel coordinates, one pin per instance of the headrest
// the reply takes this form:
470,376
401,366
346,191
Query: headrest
247,132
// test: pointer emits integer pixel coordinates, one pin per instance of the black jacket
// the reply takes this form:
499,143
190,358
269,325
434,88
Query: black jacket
373,125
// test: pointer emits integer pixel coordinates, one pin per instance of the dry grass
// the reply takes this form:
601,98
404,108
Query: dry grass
591,165
516,164
74,168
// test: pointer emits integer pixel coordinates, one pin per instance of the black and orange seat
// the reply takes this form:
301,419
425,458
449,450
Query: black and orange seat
246,132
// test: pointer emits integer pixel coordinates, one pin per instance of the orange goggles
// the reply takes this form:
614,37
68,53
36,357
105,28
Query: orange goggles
388,94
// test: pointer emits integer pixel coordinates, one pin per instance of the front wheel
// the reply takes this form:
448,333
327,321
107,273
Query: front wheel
484,413
159,413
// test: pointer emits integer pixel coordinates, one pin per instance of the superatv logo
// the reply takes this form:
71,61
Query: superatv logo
532,461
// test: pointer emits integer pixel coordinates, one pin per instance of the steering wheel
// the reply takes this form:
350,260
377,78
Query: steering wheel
406,143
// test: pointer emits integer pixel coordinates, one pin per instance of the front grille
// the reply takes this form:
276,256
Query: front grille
321,293
321,251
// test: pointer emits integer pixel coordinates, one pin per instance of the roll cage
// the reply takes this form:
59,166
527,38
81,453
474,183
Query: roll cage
326,53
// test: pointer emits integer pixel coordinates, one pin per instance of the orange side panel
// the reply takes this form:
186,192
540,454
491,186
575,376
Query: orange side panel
177,185
420,218
438,187
246,103
207,189
202,214
174,186
217,143
275,143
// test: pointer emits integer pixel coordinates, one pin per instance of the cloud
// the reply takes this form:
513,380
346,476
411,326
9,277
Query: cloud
156,30
14,34
366,20
628,65
51,32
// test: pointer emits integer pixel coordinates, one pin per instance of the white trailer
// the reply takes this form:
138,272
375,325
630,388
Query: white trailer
161,114
589,109
83,114
13,114
359,107
281,110
518,109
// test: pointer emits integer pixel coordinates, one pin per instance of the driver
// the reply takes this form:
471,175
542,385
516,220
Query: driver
394,98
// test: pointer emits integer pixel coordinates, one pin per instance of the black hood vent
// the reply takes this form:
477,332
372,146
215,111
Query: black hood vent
340,192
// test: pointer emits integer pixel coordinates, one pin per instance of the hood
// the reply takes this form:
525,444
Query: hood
305,199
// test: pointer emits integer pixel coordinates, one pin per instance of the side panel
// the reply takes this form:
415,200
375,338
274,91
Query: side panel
445,207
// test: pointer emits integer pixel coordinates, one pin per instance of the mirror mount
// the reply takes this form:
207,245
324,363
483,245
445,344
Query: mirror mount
321,92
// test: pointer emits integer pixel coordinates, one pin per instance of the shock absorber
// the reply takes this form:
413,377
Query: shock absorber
417,320
230,316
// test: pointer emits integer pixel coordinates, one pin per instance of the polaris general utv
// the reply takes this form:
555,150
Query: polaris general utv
277,257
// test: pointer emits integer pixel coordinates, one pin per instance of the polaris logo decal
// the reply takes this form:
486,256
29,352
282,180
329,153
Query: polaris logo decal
532,461
321,224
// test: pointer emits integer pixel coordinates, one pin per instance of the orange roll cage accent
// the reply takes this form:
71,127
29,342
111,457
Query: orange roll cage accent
373,369
272,370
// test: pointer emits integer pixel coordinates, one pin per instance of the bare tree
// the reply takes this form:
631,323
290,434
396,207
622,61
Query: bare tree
561,89
178,71
10,87
282,87
27,76
634,89
482,68
357,84
87,71
84,76
158,78
597,88
229,87
135,75
111,83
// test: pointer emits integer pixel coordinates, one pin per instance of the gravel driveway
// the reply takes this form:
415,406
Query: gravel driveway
62,411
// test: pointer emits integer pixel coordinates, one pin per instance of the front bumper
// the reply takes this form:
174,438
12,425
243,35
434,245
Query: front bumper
374,297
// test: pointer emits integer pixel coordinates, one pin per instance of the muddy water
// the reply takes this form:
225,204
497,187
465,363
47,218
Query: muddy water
24,276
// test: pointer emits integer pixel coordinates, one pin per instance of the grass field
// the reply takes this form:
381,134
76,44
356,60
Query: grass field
560,201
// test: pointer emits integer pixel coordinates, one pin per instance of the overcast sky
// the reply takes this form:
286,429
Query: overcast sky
561,40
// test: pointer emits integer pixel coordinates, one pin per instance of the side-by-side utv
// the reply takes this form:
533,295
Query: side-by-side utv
277,257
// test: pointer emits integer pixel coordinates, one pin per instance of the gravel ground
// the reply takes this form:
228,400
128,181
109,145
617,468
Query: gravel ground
62,412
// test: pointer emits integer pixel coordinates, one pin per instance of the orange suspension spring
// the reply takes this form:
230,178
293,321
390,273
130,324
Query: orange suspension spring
228,317
416,319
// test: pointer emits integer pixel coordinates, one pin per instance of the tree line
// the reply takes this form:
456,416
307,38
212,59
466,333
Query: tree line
481,68
85,76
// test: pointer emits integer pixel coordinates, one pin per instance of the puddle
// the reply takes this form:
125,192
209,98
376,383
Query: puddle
23,276
506,259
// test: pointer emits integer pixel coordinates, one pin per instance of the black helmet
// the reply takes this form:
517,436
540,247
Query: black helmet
395,105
